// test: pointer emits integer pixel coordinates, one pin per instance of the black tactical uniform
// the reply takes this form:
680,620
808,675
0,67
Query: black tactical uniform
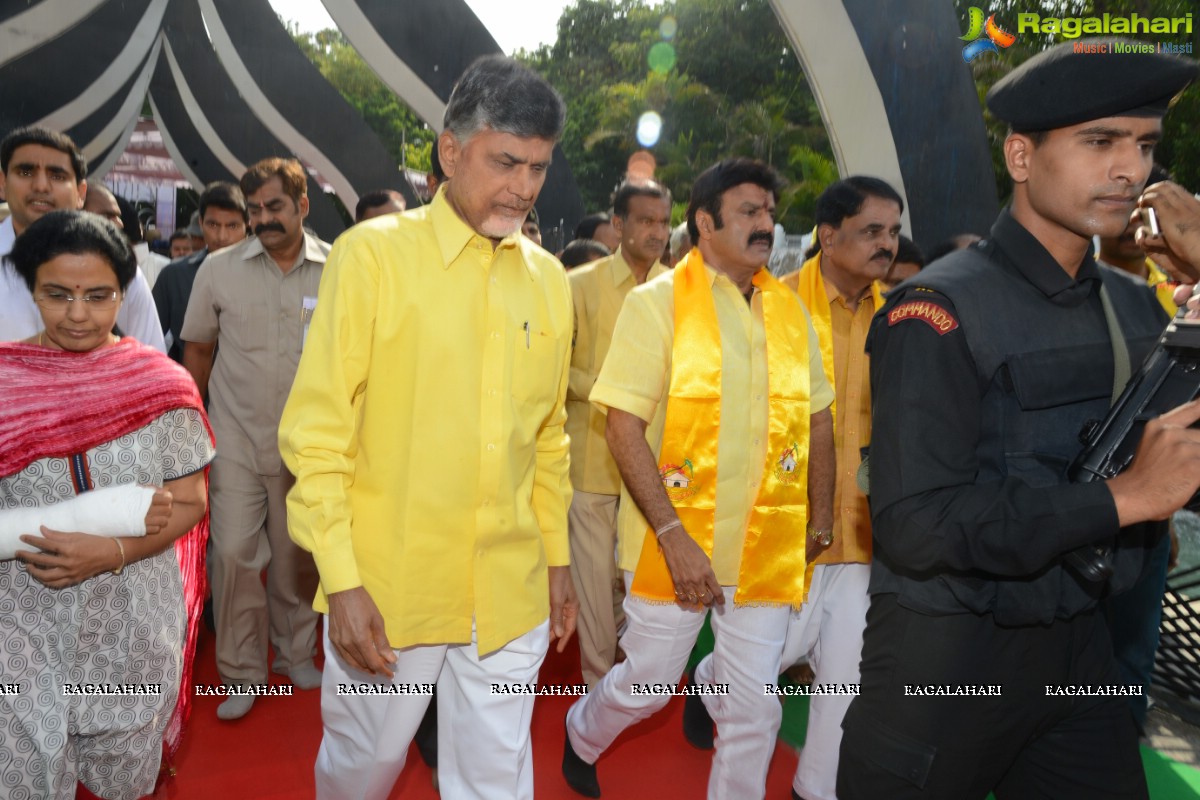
984,369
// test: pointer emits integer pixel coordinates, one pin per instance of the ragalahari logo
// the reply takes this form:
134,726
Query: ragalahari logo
984,37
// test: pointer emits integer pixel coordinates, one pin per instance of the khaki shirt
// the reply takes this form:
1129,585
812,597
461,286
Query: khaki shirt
256,313
598,290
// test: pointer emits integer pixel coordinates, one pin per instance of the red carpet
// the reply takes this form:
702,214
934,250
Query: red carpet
269,753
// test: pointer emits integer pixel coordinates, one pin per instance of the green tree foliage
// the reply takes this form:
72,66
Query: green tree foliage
725,81
1179,150
405,136
734,88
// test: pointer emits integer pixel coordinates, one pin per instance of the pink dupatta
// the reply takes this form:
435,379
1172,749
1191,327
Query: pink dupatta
54,404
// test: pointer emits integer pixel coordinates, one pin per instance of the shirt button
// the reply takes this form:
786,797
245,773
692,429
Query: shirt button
495,334
486,502
492,392
492,447
758,397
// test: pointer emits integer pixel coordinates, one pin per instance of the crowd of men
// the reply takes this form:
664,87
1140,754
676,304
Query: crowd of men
466,453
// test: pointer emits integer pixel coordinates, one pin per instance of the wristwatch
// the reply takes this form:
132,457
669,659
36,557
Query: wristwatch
823,536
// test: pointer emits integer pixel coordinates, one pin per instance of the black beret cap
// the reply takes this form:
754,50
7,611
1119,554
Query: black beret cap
1088,79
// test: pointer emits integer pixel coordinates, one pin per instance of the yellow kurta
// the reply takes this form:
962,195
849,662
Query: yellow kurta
598,290
636,377
843,337
425,428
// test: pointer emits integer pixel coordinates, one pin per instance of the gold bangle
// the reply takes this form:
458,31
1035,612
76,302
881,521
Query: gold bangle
121,548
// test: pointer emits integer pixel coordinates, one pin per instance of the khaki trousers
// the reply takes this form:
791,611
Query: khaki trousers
592,523
250,534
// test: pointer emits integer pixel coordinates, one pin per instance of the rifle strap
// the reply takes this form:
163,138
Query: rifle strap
1121,368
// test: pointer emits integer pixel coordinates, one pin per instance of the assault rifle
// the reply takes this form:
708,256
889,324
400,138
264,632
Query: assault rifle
1169,377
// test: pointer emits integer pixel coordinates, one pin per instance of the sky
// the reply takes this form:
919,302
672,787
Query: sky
534,25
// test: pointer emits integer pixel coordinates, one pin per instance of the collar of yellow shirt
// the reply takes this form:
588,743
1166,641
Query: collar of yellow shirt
454,235
620,271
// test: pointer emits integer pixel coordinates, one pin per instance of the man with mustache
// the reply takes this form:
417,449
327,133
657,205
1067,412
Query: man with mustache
986,665
641,216
255,299
723,471
858,230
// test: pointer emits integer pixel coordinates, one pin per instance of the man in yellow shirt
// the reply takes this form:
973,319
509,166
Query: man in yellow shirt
641,216
425,430
722,470
858,229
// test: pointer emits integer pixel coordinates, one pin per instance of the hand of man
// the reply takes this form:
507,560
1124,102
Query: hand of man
564,606
1165,472
691,570
1177,247
159,512
813,548
356,631
67,559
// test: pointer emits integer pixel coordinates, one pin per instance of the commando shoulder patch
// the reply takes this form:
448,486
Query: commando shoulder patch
931,314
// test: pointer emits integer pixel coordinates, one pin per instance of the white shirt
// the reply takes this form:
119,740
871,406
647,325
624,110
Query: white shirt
150,262
19,317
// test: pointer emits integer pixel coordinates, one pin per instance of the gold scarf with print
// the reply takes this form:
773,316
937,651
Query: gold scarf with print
772,570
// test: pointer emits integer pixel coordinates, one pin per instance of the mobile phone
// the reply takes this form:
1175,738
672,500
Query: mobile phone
1151,220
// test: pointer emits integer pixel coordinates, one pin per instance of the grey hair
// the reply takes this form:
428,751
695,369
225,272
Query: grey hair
677,236
499,93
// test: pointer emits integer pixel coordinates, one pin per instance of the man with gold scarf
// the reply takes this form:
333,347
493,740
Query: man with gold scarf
857,236
858,229
723,469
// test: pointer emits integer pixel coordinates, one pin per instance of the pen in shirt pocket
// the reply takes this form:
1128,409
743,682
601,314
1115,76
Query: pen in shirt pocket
526,327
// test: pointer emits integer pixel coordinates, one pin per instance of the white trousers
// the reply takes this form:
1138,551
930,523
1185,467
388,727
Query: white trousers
828,632
657,642
483,738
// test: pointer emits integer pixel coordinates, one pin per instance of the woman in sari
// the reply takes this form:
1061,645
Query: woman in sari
94,629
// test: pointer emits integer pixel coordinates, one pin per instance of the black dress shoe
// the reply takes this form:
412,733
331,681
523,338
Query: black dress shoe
697,724
580,775
796,796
